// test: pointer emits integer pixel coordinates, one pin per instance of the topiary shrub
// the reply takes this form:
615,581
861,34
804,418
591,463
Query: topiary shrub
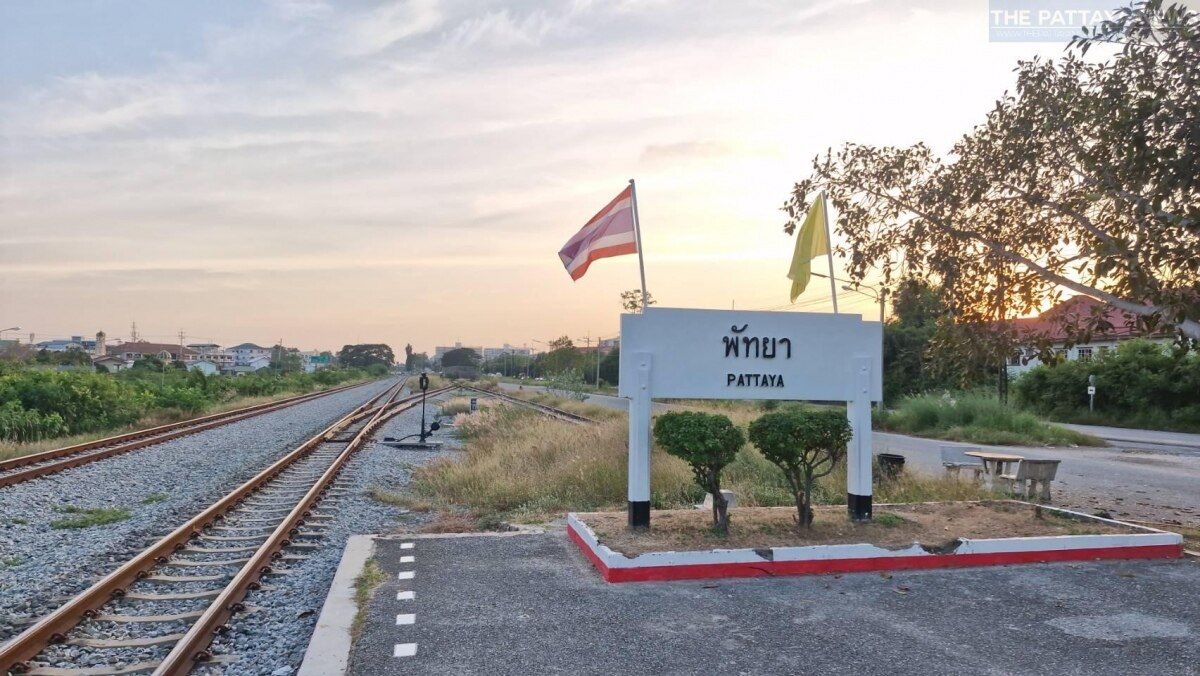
707,442
805,446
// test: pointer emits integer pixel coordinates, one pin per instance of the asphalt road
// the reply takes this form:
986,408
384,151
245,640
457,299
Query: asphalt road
531,604
1156,477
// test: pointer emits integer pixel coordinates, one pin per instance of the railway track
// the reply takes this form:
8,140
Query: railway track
161,609
37,465
542,408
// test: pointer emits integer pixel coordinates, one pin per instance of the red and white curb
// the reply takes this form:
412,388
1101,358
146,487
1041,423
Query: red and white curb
1146,543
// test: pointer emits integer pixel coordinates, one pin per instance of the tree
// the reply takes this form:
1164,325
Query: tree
563,356
707,442
362,356
924,349
610,367
805,446
1082,180
632,300
416,361
463,356
286,359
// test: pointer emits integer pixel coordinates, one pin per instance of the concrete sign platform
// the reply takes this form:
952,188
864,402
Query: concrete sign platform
1146,543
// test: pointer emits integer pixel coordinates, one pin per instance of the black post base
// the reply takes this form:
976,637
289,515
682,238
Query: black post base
639,514
859,507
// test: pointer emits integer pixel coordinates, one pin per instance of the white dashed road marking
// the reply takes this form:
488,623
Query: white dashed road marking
405,649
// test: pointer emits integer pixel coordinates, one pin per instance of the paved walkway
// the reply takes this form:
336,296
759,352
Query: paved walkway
532,605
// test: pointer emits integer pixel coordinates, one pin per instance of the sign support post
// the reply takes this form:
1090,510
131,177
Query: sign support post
858,455
639,444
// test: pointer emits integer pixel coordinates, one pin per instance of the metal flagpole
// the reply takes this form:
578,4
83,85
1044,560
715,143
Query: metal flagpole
637,235
828,243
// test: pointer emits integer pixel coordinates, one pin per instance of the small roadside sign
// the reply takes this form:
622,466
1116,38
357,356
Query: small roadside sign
1091,389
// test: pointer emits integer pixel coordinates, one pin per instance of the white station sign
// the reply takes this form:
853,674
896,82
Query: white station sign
727,354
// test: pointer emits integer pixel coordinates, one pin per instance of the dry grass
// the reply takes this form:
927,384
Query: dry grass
455,405
408,502
528,468
583,408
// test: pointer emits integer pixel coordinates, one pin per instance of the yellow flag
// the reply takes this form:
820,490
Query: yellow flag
811,241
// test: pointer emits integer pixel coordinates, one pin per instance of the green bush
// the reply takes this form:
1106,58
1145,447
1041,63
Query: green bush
42,404
1140,384
707,442
805,446
979,418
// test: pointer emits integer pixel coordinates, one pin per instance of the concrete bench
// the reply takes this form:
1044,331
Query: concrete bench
1032,474
955,459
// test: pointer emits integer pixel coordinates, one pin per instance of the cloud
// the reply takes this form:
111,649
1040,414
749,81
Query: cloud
316,149
377,30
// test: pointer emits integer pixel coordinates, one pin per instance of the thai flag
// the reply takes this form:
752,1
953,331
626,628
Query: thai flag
609,233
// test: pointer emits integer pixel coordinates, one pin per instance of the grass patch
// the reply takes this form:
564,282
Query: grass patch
17,520
364,587
86,517
888,519
455,406
977,419
526,468
155,497
11,561
408,502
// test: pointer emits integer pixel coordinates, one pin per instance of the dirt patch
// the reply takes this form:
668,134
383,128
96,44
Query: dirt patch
937,527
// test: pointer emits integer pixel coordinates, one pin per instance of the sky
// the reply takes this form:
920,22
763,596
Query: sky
325,173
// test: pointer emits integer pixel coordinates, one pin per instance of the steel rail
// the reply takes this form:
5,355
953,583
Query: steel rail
77,455
548,410
193,648
53,627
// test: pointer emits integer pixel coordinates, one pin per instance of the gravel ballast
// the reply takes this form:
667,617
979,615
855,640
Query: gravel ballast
272,640
161,487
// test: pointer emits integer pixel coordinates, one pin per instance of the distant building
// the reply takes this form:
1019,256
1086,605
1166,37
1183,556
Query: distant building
1050,324
490,353
204,348
60,345
132,352
246,352
205,366
110,363
64,344
440,351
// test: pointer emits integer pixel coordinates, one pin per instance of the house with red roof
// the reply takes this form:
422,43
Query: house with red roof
1112,327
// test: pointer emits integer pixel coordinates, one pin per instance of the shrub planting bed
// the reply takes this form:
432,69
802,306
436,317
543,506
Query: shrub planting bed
930,524
682,544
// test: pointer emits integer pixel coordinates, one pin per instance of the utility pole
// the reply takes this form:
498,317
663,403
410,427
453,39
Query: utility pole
133,334
181,347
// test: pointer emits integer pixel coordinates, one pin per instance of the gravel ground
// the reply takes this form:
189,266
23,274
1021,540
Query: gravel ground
161,486
272,640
